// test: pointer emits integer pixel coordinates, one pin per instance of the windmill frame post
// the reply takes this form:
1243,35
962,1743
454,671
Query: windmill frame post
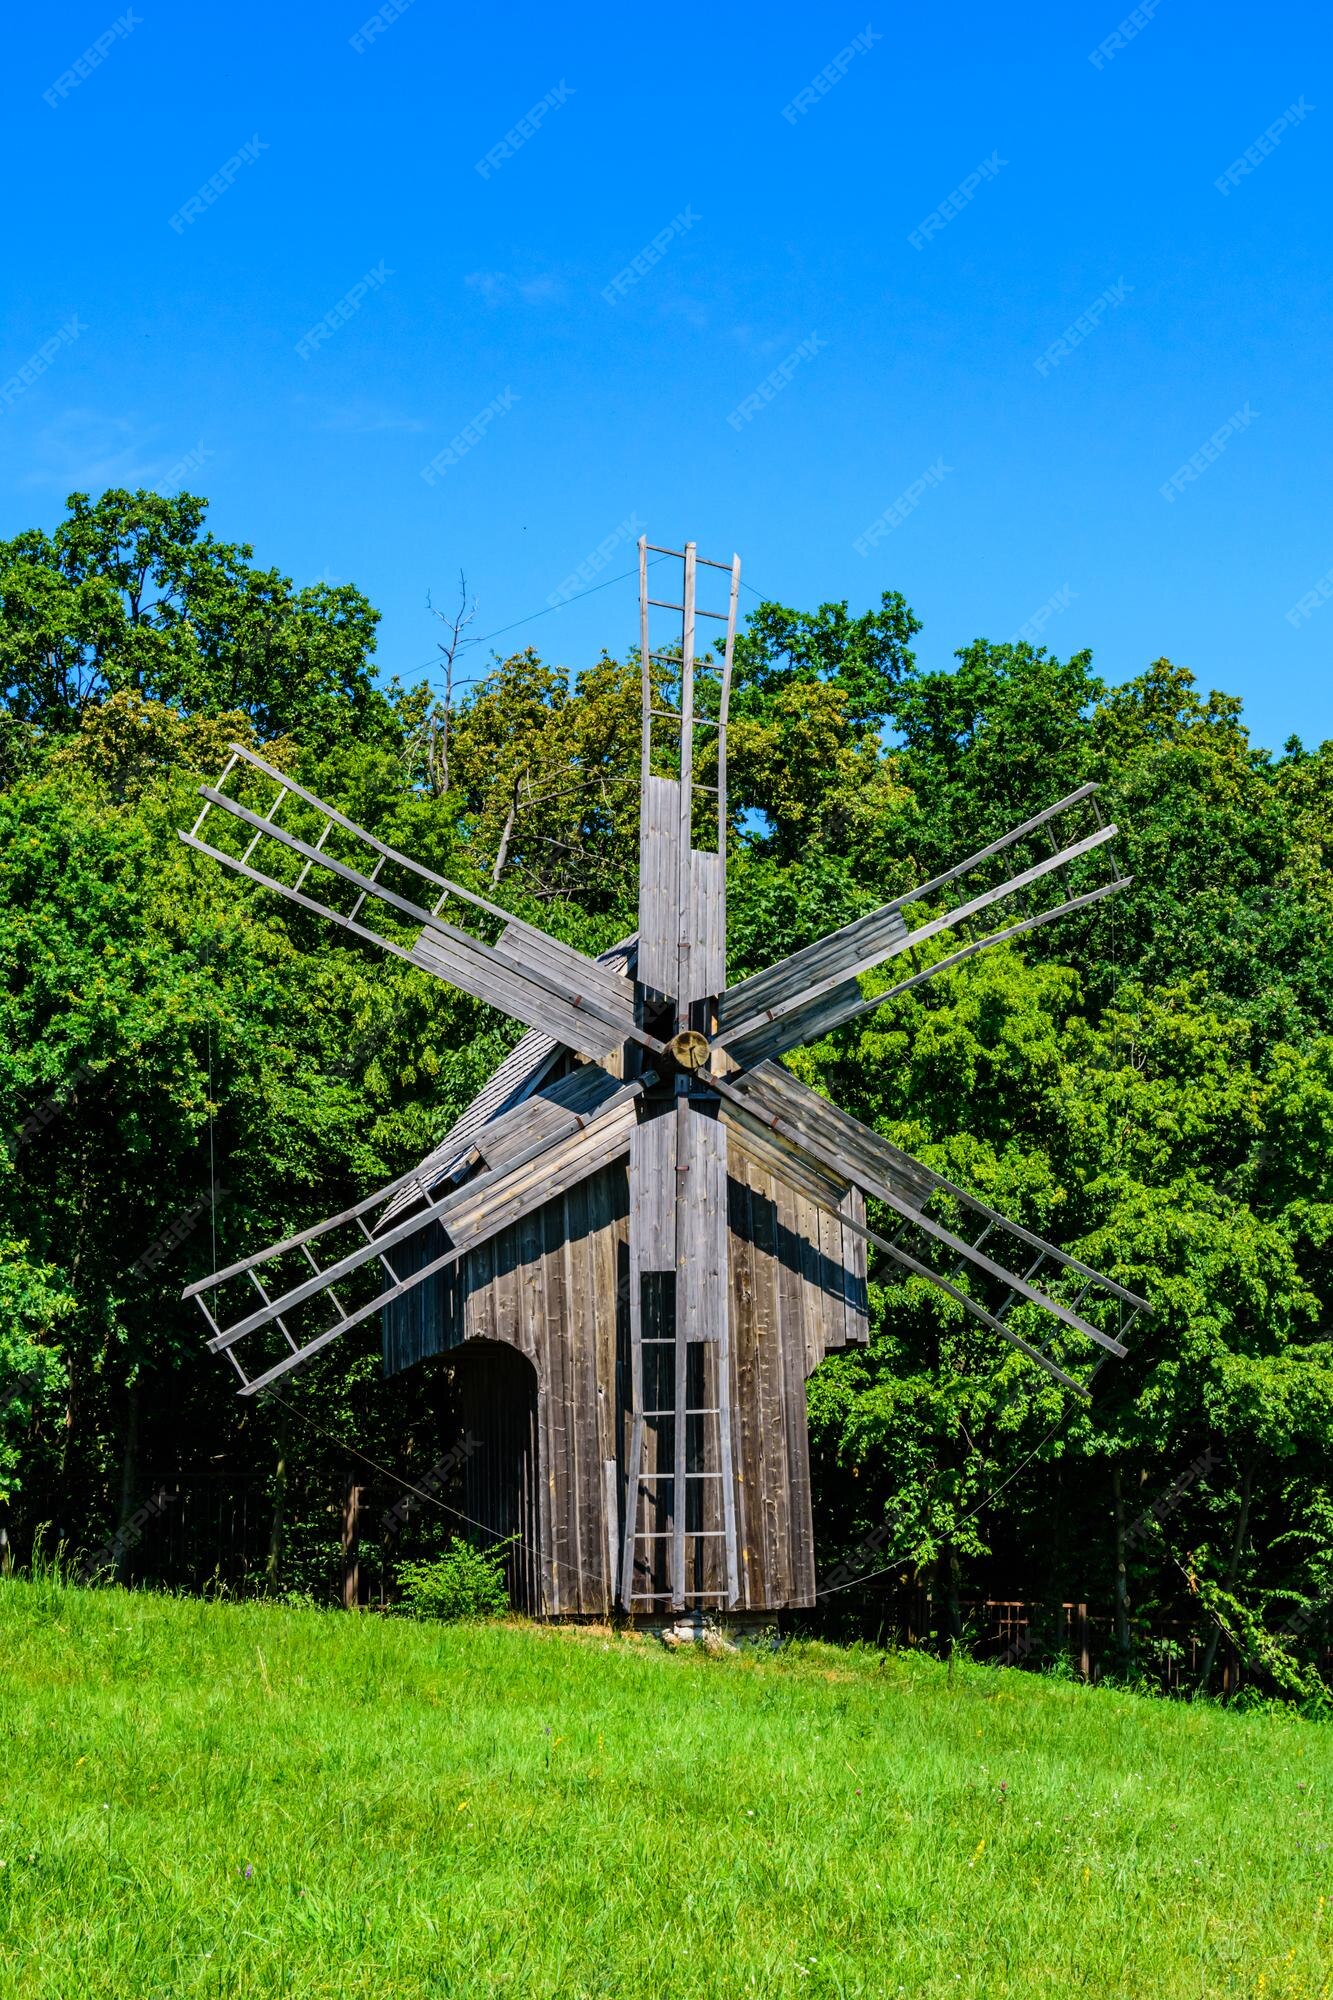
682,952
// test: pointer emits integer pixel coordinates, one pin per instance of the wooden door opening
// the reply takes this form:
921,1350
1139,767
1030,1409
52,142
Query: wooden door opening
495,1401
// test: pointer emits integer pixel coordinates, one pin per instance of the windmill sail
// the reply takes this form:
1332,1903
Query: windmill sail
546,1145
525,972
818,989
938,1230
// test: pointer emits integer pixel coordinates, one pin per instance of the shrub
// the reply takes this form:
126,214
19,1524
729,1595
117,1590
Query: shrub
462,1583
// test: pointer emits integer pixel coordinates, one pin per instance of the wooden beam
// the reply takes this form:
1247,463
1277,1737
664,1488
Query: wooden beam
571,1161
798,1132
870,950
777,1088
464,1212
484,971
856,1227
844,1004
740,999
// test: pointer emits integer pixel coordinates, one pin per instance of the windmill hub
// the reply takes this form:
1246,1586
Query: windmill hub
690,1050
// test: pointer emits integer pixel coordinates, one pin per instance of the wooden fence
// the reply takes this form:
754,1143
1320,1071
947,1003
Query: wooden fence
1011,1631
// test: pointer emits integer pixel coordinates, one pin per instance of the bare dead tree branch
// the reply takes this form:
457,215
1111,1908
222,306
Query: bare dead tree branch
433,738
502,852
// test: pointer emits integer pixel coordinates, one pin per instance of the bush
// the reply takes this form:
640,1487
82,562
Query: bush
463,1583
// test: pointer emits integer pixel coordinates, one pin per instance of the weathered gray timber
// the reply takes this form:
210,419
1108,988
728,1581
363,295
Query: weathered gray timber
645,1234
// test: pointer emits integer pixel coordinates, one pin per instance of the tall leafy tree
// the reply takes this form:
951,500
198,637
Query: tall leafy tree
132,594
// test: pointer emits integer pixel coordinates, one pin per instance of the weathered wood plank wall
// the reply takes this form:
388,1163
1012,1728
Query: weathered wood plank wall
555,1286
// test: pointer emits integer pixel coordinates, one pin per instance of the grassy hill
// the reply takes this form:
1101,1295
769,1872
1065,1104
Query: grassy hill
215,1800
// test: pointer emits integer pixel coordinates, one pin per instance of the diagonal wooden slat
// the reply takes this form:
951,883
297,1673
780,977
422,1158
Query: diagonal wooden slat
803,979
842,948
611,983
823,1133
557,1108
463,1212
557,979
871,949
525,1069
778,1089
504,1199
757,1130
809,1020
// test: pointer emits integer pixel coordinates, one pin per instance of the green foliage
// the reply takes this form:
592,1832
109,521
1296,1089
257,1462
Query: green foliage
33,1372
130,594
462,1583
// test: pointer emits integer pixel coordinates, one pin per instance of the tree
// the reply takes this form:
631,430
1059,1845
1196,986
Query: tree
131,595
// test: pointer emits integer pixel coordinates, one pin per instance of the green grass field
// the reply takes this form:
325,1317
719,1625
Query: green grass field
203,1799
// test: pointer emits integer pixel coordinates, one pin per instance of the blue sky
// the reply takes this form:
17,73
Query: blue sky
1046,190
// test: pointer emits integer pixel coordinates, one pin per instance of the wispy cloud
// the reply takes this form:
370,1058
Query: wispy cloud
760,345
499,288
366,420
87,450
693,311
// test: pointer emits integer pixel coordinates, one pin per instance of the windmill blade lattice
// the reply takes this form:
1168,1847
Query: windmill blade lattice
544,1146
940,1231
1034,867
337,871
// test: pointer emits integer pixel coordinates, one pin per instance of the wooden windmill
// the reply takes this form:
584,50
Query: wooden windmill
646,1233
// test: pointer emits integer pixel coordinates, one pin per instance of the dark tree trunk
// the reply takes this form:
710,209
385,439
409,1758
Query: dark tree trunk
129,1481
1242,1528
1123,1639
273,1568
351,1541
949,1612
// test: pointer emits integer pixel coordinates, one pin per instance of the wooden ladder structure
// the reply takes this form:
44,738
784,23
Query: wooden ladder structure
680,1543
